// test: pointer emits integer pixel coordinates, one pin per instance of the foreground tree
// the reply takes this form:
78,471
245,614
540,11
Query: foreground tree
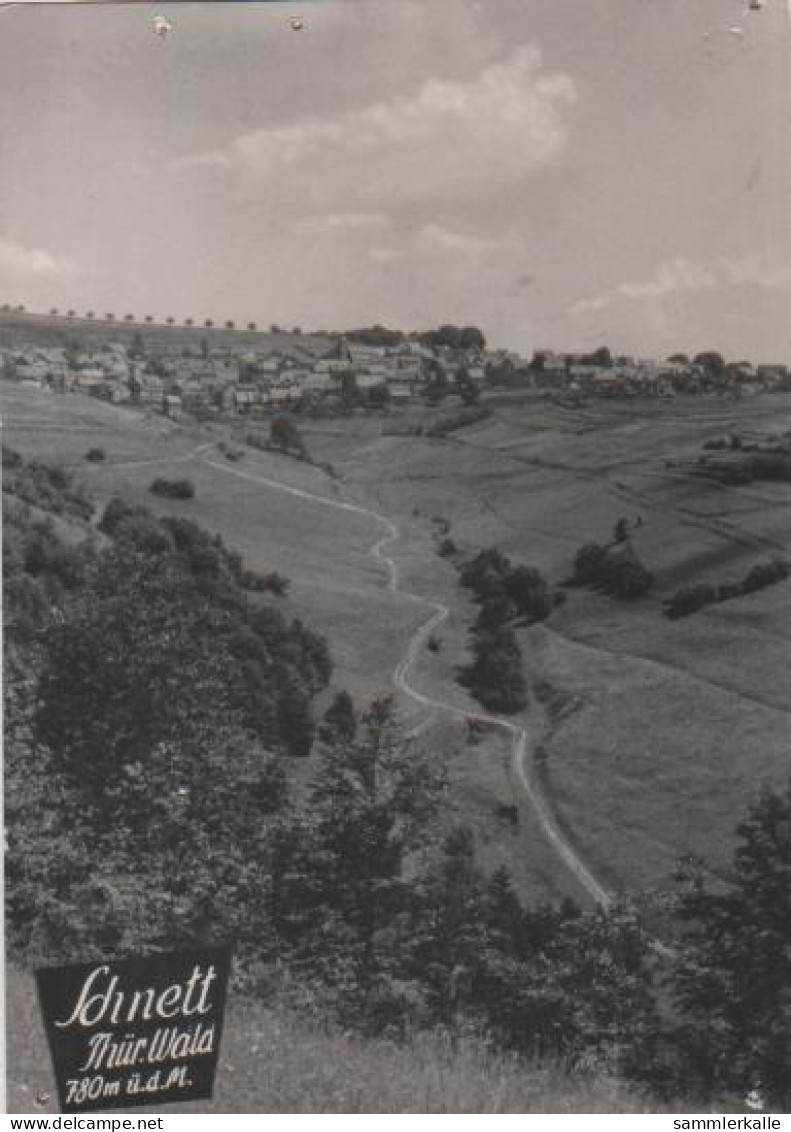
732,983
372,808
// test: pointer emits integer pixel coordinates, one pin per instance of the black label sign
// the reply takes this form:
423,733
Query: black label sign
137,1032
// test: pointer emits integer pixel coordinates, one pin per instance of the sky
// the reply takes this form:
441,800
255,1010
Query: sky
562,173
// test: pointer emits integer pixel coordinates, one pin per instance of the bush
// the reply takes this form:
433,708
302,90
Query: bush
629,579
48,487
95,455
447,548
689,600
622,575
173,489
589,563
764,574
272,583
496,677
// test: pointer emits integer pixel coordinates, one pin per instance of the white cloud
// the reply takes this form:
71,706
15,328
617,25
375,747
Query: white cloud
344,223
681,276
21,262
436,243
449,139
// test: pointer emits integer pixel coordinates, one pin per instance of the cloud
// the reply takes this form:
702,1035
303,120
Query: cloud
681,276
344,223
449,139
19,261
434,242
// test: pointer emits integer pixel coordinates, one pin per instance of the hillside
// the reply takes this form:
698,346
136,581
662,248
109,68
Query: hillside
632,731
58,330
537,481
647,724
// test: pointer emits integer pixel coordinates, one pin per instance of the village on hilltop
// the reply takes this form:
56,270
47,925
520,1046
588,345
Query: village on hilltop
205,371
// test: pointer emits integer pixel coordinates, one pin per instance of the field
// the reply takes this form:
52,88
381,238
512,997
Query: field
46,330
657,734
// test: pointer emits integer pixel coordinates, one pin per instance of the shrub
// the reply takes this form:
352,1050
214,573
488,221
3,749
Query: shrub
617,573
689,600
273,583
173,489
629,579
496,677
447,548
529,591
764,574
95,455
589,563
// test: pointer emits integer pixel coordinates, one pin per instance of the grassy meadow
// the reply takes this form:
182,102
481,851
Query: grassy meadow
669,729
273,1062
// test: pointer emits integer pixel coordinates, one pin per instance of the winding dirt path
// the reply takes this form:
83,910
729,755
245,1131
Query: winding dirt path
438,612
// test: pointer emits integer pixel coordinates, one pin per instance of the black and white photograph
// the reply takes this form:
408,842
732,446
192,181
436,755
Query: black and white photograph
396,469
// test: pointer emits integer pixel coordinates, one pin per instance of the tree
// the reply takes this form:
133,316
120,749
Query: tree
110,317
732,981
284,435
621,530
251,326
149,318
53,310
208,323
71,313
528,589
471,338
448,948
230,324
170,320
89,314
129,318
373,804
628,578
340,720
437,387
468,389
142,820
496,676
712,363
589,564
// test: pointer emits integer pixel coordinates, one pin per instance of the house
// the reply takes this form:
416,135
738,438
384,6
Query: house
369,381
318,382
400,391
147,388
171,406
245,396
